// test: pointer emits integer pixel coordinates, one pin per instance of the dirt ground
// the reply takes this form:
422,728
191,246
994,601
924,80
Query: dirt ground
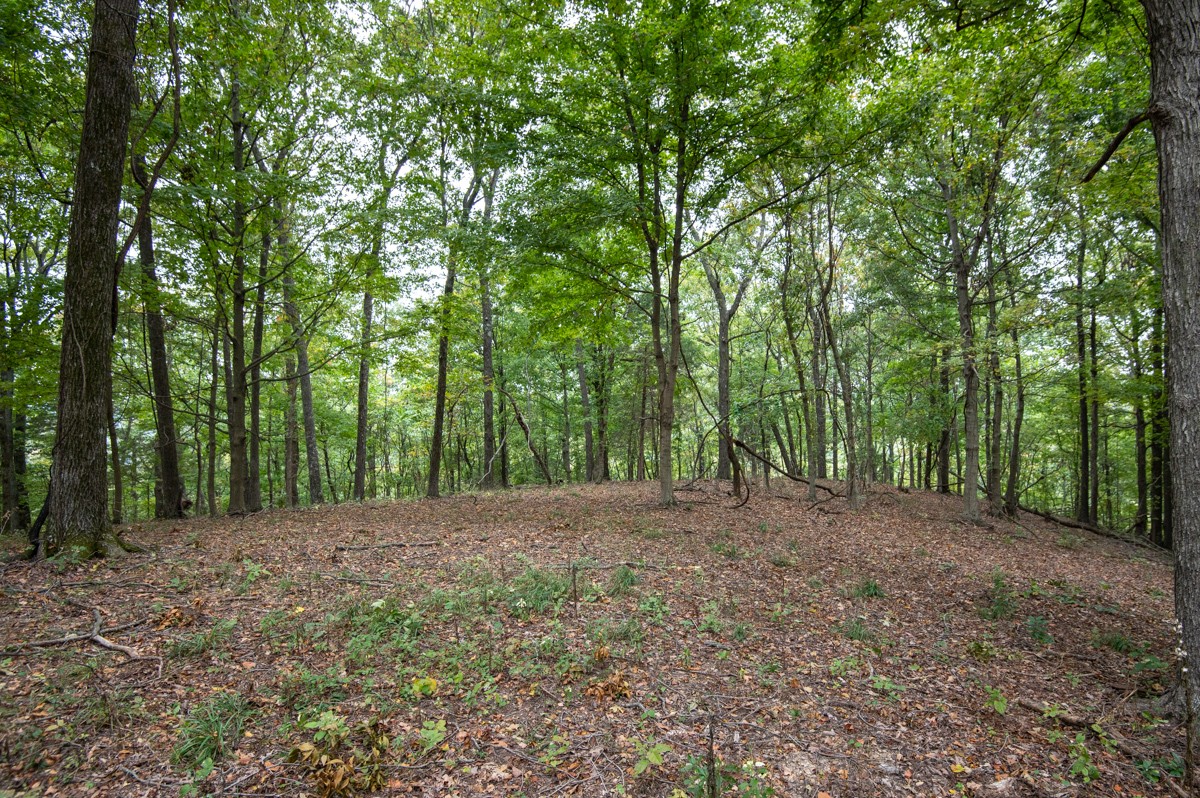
581,641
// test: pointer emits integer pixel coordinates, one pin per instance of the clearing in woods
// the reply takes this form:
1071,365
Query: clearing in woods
581,641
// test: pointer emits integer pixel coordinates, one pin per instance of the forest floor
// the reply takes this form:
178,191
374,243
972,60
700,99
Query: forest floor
581,641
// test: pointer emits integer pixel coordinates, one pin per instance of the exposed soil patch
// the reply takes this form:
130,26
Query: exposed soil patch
581,641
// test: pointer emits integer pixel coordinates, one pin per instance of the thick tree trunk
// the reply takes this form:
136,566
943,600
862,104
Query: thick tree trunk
1173,28
78,492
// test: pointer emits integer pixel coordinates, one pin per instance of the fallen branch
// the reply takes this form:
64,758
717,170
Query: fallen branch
1095,530
1118,742
94,636
778,470
397,544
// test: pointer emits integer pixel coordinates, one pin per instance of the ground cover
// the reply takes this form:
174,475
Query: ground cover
579,640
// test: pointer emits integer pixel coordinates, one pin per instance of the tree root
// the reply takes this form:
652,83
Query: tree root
95,635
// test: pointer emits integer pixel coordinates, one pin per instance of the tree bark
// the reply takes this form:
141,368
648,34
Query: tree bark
291,440
1173,28
487,341
585,402
78,492
169,500
1082,500
235,322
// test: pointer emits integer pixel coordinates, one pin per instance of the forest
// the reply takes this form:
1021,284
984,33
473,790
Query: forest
329,253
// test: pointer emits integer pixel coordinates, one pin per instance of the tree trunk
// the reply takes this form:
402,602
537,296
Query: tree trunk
213,509
996,439
943,447
114,455
1082,501
439,405
1158,432
585,402
312,455
963,264
235,326
291,440
364,379
254,441
1139,426
169,500
1172,27
1012,497
487,341
78,492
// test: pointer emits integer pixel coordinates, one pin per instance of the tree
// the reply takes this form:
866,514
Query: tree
78,498
1174,111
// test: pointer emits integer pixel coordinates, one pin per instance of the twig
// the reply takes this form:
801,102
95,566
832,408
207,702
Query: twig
414,544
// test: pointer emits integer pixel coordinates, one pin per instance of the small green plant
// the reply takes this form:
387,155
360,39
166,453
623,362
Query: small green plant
210,730
711,622
197,778
251,573
728,549
1082,766
432,734
1114,640
1039,629
868,588
883,684
654,607
650,754
623,580
995,700
843,666
741,631
857,629
207,642
781,560
982,650
1153,770
536,591
1003,602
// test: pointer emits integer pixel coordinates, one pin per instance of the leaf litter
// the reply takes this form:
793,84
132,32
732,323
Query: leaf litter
580,640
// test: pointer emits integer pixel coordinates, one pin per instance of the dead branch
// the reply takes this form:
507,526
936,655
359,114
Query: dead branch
1079,722
528,436
1095,530
778,470
397,544
95,632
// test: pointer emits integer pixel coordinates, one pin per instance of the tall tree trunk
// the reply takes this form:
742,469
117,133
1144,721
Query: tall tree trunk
725,313
996,439
78,492
1139,425
1094,407
213,509
312,455
943,447
487,341
793,336
585,402
169,500
291,440
114,455
235,327
439,406
963,263
364,379
1172,27
1012,497
1082,501
254,501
